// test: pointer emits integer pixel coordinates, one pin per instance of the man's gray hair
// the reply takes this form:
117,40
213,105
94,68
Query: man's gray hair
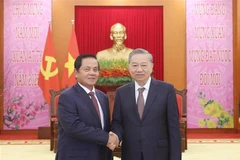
140,51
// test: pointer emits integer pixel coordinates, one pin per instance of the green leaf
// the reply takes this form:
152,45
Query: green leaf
112,81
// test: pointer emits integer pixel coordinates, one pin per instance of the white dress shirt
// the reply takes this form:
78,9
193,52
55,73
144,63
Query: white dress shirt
145,92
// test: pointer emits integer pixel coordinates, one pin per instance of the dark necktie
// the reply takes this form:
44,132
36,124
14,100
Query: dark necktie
140,102
94,100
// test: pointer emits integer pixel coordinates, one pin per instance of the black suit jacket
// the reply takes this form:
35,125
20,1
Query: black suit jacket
80,134
157,134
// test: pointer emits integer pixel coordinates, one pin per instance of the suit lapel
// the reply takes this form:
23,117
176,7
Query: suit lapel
103,106
150,97
85,97
133,104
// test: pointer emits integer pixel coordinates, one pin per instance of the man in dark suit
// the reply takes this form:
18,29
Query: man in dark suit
145,116
83,116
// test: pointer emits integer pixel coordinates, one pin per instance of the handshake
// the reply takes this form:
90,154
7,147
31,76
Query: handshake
113,141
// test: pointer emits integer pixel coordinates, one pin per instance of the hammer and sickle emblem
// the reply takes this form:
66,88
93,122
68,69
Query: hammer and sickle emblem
47,73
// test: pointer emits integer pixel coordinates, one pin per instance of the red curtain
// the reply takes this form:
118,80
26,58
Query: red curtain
144,29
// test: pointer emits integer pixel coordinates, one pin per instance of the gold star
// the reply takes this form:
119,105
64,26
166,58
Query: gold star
69,64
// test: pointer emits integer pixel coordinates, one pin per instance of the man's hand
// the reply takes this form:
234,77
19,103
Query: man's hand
113,141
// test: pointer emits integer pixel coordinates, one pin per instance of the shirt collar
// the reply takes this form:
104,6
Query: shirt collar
86,89
146,86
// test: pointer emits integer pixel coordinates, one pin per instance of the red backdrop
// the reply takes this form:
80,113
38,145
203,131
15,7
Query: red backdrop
144,29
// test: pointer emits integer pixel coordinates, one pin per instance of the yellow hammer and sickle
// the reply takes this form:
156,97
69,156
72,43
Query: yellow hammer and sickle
47,73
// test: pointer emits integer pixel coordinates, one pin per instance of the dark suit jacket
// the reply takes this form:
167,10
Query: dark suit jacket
157,135
80,135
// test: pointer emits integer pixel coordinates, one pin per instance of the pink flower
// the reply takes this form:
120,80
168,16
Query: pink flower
33,113
18,115
22,118
19,103
16,122
13,106
22,111
37,108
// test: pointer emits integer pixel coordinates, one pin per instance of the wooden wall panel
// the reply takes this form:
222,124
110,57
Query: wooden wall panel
1,65
236,33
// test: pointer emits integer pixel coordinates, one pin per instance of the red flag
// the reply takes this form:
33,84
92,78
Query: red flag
68,73
48,76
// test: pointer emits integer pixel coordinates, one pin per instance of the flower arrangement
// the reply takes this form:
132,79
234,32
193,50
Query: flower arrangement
113,72
17,116
218,117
